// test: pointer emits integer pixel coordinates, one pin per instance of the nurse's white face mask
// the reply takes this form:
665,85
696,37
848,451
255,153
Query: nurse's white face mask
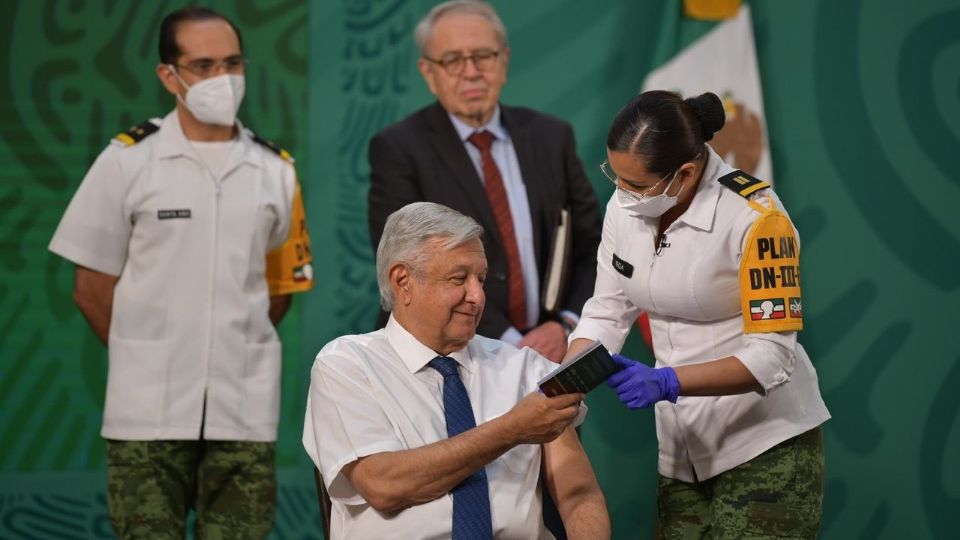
641,204
215,100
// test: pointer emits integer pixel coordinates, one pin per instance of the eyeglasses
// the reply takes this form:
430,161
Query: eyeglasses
206,68
453,64
637,195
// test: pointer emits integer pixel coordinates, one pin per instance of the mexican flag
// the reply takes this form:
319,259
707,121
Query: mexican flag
724,61
770,308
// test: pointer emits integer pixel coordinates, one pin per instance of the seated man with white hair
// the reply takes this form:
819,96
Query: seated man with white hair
424,429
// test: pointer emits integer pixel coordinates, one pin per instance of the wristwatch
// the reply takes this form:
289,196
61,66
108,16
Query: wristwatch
567,326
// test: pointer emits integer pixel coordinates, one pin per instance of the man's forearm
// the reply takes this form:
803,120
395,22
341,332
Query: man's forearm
93,294
392,481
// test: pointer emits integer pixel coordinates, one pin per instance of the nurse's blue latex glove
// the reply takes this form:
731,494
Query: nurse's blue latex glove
639,386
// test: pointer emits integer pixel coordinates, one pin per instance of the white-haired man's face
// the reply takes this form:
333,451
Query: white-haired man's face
442,302
472,93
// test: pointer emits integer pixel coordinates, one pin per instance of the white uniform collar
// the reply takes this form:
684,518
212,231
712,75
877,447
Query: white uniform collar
703,207
172,142
414,354
494,126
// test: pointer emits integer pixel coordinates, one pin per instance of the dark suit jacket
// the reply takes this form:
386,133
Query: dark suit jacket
421,158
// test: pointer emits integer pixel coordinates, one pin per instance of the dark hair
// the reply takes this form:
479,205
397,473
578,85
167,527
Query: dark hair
664,130
168,48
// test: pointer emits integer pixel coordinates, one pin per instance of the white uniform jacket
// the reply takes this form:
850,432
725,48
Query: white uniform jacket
691,291
190,329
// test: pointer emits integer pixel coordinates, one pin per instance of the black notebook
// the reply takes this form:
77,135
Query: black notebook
581,373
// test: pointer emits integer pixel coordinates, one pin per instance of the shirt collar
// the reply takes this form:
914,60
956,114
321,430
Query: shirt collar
494,126
173,143
703,208
414,354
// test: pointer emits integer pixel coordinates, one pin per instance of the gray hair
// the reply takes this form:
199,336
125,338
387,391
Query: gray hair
421,34
406,234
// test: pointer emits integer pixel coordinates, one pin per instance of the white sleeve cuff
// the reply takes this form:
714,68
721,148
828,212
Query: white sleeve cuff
609,333
339,486
769,357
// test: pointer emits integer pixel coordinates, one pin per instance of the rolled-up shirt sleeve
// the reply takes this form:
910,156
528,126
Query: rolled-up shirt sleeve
349,424
770,357
609,314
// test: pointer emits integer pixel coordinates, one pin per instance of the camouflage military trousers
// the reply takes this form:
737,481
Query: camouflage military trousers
777,494
152,485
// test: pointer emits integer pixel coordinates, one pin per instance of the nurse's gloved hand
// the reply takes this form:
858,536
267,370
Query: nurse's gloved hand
639,386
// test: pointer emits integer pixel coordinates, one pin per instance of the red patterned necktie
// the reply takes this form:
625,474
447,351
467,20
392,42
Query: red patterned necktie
497,195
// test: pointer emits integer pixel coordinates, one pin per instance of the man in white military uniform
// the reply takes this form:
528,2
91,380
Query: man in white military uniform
189,237
424,429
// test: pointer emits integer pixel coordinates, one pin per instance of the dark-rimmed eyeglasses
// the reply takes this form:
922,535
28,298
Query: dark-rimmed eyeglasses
453,64
206,68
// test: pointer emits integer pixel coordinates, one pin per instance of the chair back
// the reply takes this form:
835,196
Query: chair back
324,499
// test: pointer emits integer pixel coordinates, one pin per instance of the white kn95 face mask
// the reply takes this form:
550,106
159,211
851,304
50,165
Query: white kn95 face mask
214,100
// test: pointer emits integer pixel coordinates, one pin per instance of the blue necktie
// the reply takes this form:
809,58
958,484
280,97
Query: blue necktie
471,498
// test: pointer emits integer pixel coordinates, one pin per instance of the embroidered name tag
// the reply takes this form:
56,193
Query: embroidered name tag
181,213
622,266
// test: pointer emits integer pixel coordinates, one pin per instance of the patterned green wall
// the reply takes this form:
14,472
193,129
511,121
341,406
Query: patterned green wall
74,73
862,106
859,100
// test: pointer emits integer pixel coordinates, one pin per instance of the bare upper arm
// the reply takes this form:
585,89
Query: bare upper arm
574,487
568,470
562,450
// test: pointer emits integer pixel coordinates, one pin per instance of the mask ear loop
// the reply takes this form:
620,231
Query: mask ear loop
676,172
181,99
672,180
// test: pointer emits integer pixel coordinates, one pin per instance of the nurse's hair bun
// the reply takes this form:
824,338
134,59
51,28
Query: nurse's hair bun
709,109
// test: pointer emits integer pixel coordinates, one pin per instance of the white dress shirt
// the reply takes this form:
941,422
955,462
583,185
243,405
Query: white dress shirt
691,293
375,393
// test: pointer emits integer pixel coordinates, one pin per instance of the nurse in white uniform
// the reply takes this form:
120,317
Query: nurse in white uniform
711,255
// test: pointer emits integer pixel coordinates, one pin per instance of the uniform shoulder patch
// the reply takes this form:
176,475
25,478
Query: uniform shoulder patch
137,133
742,183
274,147
770,298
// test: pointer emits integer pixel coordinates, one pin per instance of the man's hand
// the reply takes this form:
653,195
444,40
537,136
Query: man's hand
538,419
548,339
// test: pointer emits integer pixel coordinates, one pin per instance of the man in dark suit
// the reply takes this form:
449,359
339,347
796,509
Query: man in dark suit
513,169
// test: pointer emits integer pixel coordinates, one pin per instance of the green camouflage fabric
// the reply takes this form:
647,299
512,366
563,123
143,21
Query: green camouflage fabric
778,494
152,485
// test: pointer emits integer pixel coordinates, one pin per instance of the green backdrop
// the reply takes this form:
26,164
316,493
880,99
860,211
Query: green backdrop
862,104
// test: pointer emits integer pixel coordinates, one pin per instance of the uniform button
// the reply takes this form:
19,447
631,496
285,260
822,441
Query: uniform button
500,276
